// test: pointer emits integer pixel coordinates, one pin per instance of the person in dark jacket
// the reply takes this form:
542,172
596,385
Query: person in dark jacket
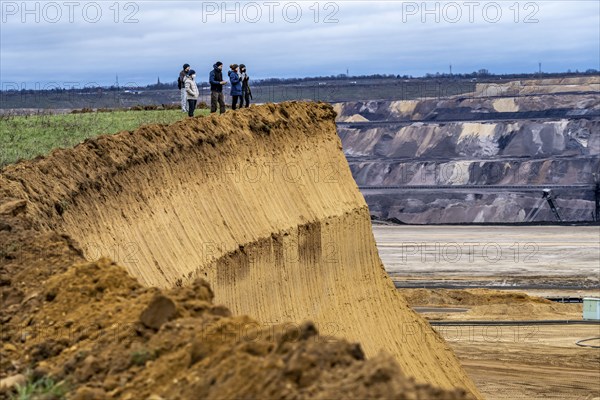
246,93
216,81
180,84
236,86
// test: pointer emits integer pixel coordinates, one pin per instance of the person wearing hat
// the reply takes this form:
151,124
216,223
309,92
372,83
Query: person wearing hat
246,93
215,78
181,85
191,90
236,86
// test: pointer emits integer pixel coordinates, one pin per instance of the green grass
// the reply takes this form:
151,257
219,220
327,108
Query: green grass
44,388
25,137
141,357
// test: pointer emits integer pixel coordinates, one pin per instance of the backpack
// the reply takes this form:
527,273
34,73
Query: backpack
179,83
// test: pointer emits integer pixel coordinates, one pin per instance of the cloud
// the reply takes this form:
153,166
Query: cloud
143,40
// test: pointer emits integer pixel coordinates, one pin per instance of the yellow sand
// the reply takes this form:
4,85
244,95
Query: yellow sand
261,203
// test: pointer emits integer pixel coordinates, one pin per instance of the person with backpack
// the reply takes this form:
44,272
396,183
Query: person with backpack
215,78
181,86
246,92
236,86
191,91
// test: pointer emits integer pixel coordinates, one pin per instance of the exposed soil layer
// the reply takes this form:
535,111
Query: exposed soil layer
540,135
262,205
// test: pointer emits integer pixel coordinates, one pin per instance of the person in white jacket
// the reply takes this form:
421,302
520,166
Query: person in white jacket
181,85
191,91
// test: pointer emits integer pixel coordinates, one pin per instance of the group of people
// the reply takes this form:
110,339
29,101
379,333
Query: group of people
240,88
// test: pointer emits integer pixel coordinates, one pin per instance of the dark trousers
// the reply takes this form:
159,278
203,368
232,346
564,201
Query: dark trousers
234,100
245,96
217,97
191,107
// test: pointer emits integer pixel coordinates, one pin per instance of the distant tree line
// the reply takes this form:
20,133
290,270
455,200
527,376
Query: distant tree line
482,74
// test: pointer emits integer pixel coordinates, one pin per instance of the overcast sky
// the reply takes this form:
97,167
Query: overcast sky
90,42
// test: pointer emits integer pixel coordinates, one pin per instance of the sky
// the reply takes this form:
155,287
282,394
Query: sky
46,44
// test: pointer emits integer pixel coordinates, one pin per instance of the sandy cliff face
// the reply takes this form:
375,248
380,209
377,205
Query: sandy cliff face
260,203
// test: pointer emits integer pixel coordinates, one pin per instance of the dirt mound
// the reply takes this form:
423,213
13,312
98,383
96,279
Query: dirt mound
523,311
356,118
260,203
466,297
87,327
485,304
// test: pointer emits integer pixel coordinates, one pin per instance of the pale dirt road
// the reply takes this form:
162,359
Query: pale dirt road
509,362
554,255
528,362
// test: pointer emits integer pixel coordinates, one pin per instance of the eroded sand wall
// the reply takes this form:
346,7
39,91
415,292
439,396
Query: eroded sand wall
261,202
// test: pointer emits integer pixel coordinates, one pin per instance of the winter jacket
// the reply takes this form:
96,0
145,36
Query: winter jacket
181,80
244,78
236,84
191,89
215,78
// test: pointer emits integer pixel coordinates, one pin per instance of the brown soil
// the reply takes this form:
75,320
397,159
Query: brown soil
485,304
518,361
163,202
466,297
529,362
